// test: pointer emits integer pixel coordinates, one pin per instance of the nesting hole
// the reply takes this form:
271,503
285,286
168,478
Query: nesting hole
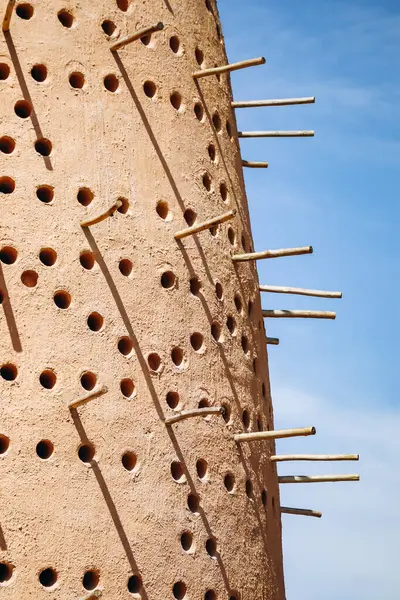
129,460
86,452
66,18
62,299
7,144
123,5
6,572
177,356
127,387
264,497
123,209
154,361
212,153
229,482
199,54
8,255
231,324
168,279
77,80
45,193
39,73
207,182
202,469
255,367
199,111
7,185
210,595
150,89
29,278
219,292
111,82
216,331
245,344
250,307
231,236
48,379
108,27
44,449
246,419
238,303
25,11
48,577
9,372
23,109
179,590
228,129
187,541
176,100
134,584
95,321
4,71
177,471
197,341
204,403
125,345
90,579
195,286
249,488
162,209
88,380
223,190
226,415
190,216
1,296
43,146
216,119
214,230
174,44
146,39
4,444
172,399
48,256
193,503
125,266
263,390
87,260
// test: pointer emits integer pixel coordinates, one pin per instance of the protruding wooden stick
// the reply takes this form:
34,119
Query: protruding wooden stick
282,102
8,15
276,289
205,225
316,478
272,341
272,254
298,314
197,412
253,62
88,398
274,435
316,457
274,134
136,36
305,512
254,165
108,213
92,595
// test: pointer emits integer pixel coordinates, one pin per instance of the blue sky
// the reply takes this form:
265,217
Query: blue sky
338,192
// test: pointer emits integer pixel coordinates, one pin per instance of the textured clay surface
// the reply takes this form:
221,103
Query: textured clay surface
107,496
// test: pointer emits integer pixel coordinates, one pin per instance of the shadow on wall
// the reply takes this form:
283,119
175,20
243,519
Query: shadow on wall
9,314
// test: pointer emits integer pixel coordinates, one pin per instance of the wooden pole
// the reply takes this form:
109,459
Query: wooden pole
298,314
274,435
205,225
274,134
254,165
272,341
316,478
136,36
314,457
272,254
8,15
253,62
282,102
276,289
88,398
305,512
108,213
197,412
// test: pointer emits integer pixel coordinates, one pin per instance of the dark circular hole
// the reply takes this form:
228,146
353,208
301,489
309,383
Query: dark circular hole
207,182
87,260
210,595
219,291
216,119
195,286
154,361
4,444
245,344
176,100
62,299
228,129
45,193
212,152
179,590
48,379
199,111
4,71
66,18
193,503
111,82
263,390
177,471
231,324
146,39
214,230
125,345
77,80
190,216
223,190
95,321
227,412
162,209
249,488
149,88
44,449
199,56
125,266
88,380
25,11
127,387
216,331
6,571
108,27
7,144
8,372
8,255
123,5
204,403
168,279
7,185
172,399
86,452
134,584
250,307
48,256
202,468
123,209
29,278
231,236
177,356
23,109
39,73
229,482
264,497
43,147
238,303
129,460
196,340
246,419
174,44
48,577
90,580
186,541
85,196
